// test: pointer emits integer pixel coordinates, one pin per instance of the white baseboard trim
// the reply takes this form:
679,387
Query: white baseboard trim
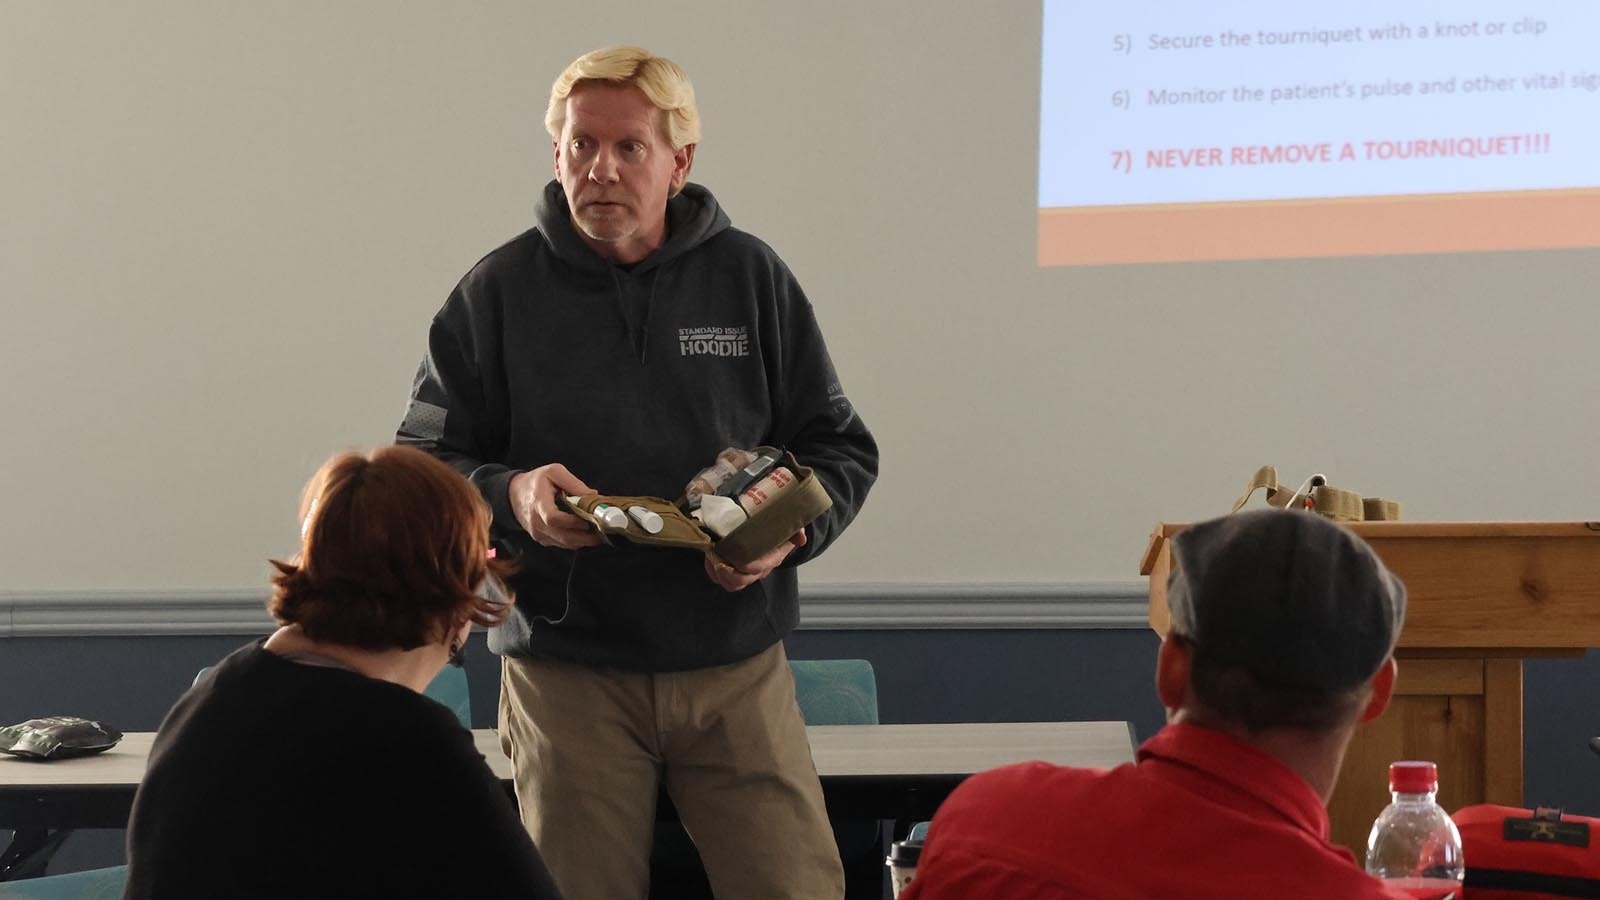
891,606
111,613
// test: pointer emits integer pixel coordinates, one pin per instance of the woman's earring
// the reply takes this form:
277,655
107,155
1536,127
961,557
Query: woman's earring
458,653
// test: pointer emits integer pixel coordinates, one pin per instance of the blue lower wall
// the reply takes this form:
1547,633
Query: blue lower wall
923,676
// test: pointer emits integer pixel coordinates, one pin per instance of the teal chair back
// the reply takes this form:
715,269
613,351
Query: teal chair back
450,688
836,691
95,884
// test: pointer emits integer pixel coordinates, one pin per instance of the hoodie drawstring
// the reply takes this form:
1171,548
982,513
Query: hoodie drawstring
649,307
640,337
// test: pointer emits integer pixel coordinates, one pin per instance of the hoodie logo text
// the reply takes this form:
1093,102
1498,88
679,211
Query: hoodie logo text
714,340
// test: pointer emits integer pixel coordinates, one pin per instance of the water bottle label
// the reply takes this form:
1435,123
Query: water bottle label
1425,888
1546,831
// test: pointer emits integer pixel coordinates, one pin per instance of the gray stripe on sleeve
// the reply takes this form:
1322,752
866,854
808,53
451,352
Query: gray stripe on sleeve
424,420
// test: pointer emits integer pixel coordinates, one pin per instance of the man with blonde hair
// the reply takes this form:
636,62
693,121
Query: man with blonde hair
630,336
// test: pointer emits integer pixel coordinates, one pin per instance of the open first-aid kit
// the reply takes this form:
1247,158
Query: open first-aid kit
743,506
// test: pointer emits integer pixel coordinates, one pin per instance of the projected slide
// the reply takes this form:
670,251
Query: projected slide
1256,129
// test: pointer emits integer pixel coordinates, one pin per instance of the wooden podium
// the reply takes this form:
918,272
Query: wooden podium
1482,597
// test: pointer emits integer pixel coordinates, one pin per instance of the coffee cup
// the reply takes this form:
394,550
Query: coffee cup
902,862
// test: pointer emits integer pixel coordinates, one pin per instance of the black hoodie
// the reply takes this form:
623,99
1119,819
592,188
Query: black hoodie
634,378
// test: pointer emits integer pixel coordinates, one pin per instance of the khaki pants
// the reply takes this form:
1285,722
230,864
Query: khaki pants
590,747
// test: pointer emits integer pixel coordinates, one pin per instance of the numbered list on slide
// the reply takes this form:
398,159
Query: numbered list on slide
1156,103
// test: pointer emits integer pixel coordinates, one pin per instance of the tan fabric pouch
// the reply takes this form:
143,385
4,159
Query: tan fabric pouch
767,528
677,529
773,523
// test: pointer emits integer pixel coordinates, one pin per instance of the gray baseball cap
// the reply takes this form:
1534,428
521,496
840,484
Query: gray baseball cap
1291,597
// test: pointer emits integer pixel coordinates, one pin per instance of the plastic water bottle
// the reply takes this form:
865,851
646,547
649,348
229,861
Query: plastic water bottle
1414,847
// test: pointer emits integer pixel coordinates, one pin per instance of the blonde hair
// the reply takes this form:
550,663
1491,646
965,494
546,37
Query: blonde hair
659,78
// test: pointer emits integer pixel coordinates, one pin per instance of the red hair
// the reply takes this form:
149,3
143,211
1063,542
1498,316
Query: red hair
394,549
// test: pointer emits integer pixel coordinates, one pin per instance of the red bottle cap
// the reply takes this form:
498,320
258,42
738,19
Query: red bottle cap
1413,777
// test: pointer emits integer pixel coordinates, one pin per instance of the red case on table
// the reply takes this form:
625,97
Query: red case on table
1528,854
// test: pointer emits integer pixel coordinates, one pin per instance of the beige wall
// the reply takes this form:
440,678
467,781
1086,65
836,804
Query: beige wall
225,225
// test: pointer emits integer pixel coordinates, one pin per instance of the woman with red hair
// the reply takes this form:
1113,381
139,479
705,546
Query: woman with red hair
309,764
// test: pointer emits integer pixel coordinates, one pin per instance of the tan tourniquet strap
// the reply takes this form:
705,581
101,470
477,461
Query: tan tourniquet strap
1332,502
1336,504
1377,509
1265,477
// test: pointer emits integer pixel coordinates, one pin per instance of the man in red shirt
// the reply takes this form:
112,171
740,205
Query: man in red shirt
1282,641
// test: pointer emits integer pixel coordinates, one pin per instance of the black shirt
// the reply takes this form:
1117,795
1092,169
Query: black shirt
272,778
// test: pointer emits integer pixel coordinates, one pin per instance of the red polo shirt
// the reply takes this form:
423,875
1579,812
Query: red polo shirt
1200,815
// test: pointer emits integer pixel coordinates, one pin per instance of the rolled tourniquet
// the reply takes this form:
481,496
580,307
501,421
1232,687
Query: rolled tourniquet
776,483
